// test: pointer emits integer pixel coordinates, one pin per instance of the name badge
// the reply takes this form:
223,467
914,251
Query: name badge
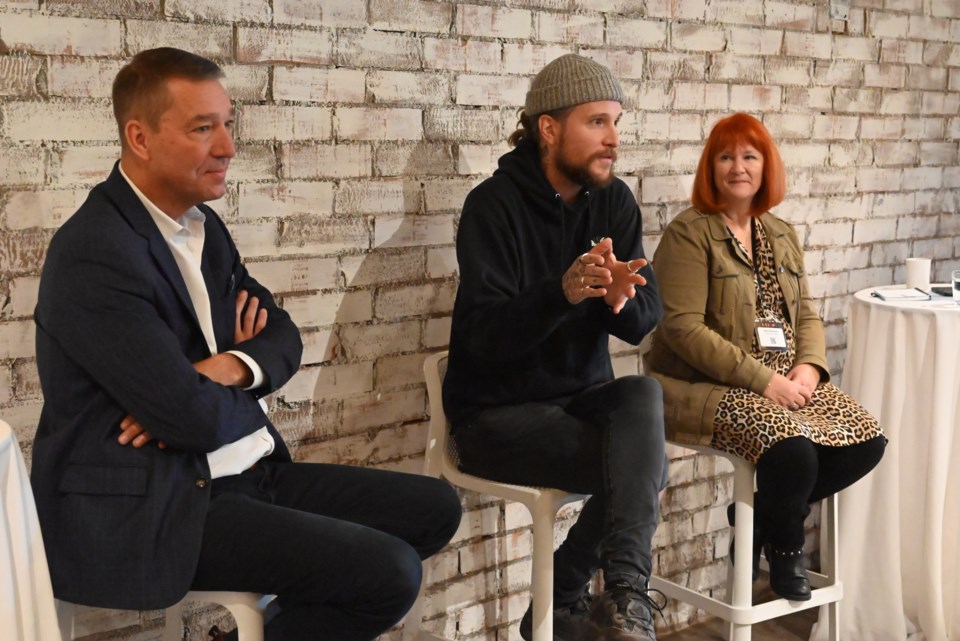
770,336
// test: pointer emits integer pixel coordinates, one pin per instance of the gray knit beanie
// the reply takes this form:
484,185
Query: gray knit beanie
568,81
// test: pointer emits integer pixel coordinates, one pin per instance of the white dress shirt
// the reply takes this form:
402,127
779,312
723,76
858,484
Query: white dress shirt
185,238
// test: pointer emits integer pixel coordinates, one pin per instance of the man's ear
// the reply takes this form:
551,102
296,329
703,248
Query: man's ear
136,136
549,128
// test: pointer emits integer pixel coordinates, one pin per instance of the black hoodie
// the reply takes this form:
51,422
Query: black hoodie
515,337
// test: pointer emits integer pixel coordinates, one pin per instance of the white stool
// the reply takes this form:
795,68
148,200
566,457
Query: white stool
246,607
441,460
739,611
247,610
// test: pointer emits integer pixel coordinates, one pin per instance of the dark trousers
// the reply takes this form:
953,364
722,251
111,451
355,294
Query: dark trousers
340,546
606,441
796,472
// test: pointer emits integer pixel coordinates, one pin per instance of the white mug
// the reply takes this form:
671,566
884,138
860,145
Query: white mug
918,273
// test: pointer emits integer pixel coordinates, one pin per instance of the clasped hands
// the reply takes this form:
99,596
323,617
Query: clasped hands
794,390
223,368
598,273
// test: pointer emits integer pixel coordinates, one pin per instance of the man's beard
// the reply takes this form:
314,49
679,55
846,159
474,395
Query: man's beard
580,173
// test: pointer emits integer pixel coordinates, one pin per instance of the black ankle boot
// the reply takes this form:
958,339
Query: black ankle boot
788,573
758,541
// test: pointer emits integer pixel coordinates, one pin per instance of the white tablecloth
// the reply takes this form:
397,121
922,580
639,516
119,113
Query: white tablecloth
900,526
26,599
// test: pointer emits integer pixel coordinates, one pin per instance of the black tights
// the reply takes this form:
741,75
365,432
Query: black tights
796,472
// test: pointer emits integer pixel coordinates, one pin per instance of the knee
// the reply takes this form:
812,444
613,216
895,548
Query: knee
875,448
444,512
792,460
640,387
402,574
449,514
640,404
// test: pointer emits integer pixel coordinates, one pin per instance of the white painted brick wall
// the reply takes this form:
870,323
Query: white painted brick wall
475,56
272,122
636,33
691,96
343,13
530,58
319,85
421,16
363,124
680,9
378,49
55,35
584,29
808,45
689,37
491,90
211,40
29,121
277,44
492,21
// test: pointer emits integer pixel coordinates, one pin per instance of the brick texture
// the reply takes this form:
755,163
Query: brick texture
363,124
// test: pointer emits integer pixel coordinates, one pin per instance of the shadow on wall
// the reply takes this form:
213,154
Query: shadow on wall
359,398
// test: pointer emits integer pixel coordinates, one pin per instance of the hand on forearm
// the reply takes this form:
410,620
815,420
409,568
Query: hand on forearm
806,375
225,369
249,321
132,433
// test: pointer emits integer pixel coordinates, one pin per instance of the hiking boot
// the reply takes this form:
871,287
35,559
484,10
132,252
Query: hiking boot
624,612
570,622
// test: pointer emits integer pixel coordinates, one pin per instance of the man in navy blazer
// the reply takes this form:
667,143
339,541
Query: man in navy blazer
156,469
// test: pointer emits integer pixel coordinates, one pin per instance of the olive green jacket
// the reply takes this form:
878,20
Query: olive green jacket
702,347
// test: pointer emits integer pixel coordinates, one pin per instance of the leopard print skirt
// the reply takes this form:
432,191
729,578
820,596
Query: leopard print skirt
747,424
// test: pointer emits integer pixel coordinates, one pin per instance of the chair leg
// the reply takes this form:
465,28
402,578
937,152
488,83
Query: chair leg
544,513
829,564
66,612
245,608
249,621
742,584
173,622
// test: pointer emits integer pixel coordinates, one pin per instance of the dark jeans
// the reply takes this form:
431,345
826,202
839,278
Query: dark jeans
606,441
340,546
796,472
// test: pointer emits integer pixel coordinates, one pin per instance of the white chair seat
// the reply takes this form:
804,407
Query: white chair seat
245,607
441,461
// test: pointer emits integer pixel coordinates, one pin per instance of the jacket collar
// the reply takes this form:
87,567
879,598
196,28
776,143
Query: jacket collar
773,226
128,205
718,231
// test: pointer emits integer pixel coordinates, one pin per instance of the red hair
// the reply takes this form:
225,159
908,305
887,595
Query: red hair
740,129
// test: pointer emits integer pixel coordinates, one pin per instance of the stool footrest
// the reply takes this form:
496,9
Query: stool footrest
747,615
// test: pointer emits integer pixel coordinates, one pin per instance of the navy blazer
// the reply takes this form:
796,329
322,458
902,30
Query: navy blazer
117,335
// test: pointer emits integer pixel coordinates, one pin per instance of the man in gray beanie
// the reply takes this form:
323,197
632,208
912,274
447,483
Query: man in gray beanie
530,389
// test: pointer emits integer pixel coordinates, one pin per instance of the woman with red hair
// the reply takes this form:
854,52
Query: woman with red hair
741,352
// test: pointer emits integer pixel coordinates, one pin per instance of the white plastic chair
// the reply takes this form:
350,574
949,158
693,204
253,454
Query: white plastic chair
246,607
739,611
441,461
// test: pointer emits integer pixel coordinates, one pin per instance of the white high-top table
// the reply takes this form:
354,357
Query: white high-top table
27,611
899,546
